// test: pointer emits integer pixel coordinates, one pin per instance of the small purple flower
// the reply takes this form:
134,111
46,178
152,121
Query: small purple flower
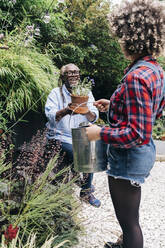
1,36
56,73
94,47
46,18
37,31
30,28
12,2
93,82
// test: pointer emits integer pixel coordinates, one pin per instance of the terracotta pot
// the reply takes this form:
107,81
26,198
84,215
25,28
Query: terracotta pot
163,137
76,101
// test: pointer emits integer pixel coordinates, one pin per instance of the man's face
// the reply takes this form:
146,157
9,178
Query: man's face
72,76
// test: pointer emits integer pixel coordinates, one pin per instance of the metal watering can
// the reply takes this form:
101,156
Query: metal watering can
88,156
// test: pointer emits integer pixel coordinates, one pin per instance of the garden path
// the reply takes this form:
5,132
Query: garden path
160,146
100,224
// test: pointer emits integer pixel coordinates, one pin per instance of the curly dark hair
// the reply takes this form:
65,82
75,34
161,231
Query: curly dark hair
140,26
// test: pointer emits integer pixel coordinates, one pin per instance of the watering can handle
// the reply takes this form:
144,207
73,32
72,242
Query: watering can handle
75,109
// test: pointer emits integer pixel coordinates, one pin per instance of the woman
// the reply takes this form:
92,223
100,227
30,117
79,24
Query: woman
139,26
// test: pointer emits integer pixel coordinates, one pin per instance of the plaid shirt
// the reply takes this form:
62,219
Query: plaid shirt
134,106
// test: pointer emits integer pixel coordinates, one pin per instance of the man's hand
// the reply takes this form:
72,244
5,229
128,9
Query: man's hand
65,111
93,132
102,105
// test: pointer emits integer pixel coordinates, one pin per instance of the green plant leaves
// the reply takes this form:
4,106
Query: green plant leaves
25,80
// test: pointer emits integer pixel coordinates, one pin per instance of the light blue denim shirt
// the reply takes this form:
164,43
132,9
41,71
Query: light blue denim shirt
61,130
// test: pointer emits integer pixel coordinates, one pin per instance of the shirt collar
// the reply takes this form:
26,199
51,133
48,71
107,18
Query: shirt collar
147,58
65,90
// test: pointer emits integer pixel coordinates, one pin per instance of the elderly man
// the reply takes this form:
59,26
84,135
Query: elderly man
60,122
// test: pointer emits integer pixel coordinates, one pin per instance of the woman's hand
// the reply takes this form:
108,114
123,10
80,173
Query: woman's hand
102,105
93,132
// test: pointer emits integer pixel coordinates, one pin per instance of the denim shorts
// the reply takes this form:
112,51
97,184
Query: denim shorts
133,164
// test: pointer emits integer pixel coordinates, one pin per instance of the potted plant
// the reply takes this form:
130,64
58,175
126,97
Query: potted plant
80,96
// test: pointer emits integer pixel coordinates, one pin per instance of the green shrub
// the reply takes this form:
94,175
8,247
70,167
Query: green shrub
159,128
90,45
27,13
161,60
39,207
77,32
26,78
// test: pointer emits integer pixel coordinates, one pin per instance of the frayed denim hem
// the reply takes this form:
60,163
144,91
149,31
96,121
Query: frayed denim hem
133,182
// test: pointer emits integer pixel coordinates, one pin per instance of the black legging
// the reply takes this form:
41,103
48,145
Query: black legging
126,200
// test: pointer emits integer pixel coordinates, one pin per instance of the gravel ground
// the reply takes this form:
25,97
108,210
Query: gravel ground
100,224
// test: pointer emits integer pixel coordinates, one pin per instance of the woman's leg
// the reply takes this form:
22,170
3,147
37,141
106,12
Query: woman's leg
126,200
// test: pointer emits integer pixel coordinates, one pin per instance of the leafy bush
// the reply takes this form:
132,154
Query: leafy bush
26,78
35,197
161,60
159,128
36,13
90,45
75,31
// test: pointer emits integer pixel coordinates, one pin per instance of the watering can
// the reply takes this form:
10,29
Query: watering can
88,156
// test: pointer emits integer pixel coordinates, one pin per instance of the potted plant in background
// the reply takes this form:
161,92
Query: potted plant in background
79,96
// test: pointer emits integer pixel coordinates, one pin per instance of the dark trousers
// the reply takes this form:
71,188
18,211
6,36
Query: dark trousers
87,177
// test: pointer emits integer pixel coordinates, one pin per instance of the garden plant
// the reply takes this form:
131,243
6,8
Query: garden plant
37,37
36,197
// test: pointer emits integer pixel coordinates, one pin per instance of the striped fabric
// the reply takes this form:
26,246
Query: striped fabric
133,107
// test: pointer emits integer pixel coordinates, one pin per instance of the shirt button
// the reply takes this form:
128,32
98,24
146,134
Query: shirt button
140,142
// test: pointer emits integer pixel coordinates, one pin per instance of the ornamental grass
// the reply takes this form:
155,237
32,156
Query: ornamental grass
31,243
26,78
36,197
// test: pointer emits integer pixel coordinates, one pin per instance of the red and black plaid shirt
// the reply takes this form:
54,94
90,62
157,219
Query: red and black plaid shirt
133,106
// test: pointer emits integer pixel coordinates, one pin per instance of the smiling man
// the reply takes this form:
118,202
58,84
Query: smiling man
60,122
